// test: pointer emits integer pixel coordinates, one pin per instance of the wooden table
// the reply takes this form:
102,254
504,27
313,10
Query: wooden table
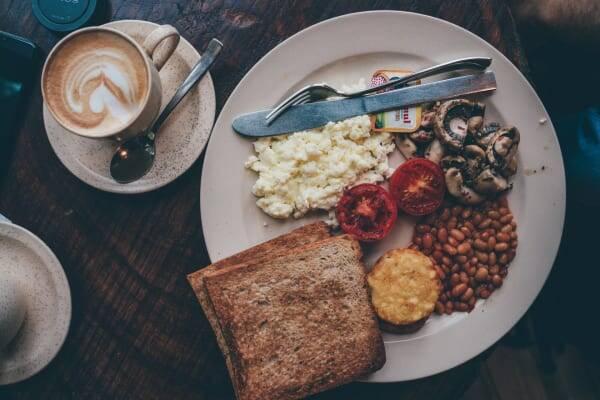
137,330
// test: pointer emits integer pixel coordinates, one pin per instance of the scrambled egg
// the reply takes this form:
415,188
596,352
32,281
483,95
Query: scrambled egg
309,170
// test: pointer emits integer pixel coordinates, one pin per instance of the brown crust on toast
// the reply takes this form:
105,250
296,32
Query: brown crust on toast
298,237
306,234
299,323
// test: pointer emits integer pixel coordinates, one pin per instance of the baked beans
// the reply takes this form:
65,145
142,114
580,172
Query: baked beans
471,247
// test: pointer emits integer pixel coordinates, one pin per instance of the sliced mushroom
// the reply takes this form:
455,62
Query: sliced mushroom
422,136
454,119
407,147
475,124
511,168
456,187
475,157
453,162
435,151
503,148
489,182
457,182
483,136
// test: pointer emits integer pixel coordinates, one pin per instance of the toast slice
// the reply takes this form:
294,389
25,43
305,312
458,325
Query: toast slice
299,323
301,236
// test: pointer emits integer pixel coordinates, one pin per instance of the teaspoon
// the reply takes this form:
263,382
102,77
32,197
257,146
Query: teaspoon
134,158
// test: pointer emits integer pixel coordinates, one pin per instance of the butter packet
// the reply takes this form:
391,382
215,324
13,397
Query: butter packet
405,119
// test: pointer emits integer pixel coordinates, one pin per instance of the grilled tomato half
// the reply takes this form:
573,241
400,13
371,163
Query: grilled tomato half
367,211
418,186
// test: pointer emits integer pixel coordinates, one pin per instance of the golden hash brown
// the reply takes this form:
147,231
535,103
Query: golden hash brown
404,286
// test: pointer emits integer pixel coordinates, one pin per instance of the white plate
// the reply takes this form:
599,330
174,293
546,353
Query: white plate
342,50
179,143
37,271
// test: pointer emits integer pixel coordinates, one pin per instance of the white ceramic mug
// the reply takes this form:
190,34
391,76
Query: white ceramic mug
156,49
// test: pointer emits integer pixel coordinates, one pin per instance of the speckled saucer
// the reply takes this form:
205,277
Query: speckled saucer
37,271
179,143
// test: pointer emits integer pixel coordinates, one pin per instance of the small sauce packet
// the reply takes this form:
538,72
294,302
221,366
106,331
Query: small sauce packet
405,119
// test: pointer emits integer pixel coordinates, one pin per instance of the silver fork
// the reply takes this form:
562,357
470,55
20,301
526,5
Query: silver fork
322,91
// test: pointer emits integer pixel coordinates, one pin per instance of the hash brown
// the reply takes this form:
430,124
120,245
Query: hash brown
404,289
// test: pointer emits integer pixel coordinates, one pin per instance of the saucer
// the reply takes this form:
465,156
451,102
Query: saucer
30,263
179,142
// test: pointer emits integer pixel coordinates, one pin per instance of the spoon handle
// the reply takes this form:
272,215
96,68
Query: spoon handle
208,58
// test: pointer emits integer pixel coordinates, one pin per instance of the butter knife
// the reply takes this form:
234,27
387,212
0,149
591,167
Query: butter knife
313,115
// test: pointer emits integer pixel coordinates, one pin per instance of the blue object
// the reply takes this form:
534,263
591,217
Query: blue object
579,136
66,15
3,218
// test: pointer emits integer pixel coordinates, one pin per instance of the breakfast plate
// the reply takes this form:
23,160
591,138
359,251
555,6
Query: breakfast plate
179,143
232,221
27,261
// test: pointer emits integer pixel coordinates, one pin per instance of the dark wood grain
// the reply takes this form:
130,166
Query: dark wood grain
137,331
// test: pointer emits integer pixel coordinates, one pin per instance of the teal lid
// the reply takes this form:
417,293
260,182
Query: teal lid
66,15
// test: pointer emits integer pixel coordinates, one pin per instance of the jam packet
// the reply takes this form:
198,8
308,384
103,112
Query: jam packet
405,119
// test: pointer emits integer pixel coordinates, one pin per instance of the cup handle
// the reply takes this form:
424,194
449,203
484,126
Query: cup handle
166,34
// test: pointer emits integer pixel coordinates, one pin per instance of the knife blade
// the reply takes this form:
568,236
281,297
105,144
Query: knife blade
313,115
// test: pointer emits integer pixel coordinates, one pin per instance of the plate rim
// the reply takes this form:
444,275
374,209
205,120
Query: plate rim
57,272
561,200
126,189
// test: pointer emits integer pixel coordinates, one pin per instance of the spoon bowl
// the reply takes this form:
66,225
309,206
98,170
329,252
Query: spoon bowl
133,159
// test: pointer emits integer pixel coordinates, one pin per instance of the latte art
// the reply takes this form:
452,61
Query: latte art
102,86
96,82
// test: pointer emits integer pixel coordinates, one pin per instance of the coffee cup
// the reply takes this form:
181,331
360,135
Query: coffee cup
12,310
100,83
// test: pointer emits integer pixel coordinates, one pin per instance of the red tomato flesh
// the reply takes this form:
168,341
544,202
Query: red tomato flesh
418,186
367,211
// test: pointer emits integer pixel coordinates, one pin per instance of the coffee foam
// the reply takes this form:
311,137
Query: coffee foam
96,82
